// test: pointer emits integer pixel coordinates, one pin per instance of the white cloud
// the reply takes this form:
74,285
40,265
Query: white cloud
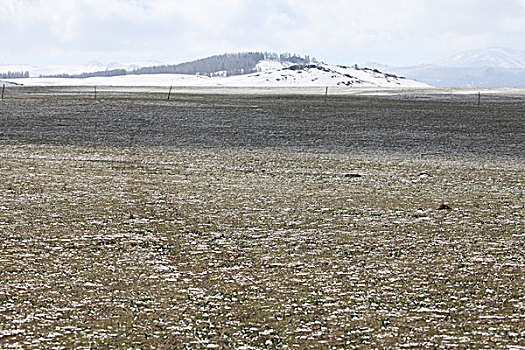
342,30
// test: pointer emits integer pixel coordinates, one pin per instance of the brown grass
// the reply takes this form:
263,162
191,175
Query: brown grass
178,247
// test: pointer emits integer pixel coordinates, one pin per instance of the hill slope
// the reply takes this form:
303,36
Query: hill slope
268,76
323,75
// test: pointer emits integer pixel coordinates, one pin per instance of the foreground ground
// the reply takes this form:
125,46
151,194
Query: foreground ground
190,244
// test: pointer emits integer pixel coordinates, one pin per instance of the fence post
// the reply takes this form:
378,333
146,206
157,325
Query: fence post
479,98
95,92
325,94
169,93
3,89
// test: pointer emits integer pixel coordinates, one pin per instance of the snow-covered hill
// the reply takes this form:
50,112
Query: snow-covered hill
271,74
322,75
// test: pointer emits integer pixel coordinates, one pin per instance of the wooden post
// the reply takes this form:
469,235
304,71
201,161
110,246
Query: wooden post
169,93
325,94
479,98
3,90
95,92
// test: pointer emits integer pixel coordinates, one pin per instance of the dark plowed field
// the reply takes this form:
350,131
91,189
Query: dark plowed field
404,124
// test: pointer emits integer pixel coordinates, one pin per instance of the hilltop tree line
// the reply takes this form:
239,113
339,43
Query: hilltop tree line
219,65
14,75
227,64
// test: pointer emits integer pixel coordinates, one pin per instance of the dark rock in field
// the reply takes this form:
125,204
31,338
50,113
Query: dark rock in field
443,206
352,176
424,174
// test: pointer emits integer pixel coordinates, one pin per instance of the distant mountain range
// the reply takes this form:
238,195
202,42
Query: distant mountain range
486,58
493,67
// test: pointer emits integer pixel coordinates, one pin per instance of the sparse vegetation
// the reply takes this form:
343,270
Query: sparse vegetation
229,221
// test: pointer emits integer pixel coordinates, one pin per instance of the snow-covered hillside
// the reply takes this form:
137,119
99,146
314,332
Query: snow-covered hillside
271,74
322,75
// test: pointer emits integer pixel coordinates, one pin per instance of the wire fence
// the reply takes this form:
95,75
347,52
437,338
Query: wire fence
87,92
477,97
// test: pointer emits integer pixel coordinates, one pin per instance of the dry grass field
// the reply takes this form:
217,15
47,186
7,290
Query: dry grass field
240,221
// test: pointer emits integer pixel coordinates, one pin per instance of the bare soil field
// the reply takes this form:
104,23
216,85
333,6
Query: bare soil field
261,221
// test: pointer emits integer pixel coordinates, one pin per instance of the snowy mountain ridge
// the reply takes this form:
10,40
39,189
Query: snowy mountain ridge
486,58
487,68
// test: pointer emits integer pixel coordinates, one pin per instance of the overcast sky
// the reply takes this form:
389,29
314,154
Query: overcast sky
399,32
